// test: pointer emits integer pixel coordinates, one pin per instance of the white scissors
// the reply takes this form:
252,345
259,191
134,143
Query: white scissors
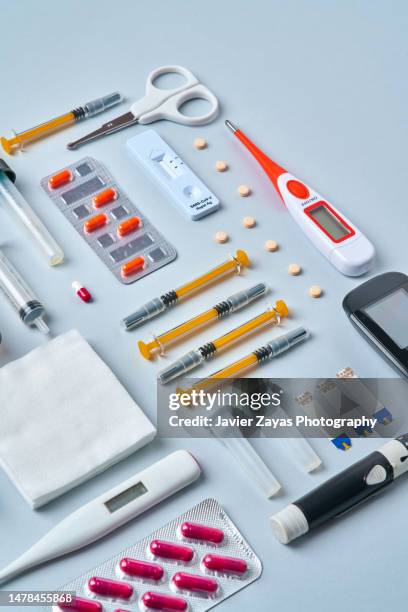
160,104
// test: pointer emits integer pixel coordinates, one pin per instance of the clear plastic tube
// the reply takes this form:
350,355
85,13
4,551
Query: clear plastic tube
251,463
14,287
12,199
302,452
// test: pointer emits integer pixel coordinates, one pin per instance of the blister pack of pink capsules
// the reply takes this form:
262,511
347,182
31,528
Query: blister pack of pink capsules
189,565
105,217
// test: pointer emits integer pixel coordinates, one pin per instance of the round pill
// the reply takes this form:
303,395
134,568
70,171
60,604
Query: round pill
271,245
221,166
200,143
221,237
248,222
294,269
244,191
315,291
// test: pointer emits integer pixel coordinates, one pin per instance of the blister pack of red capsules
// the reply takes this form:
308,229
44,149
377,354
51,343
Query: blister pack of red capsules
189,565
103,215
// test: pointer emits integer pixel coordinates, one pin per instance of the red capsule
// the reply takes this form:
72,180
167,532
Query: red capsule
225,564
191,582
110,588
201,532
81,605
81,291
128,226
95,223
104,197
132,266
167,603
141,569
59,179
168,550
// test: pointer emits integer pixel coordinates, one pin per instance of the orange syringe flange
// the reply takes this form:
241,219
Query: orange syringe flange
221,310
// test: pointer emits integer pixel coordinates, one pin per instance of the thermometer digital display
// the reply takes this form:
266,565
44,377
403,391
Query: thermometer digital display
335,236
125,497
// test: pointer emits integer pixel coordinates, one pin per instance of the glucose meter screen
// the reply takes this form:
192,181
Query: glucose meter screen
391,313
328,222
126,497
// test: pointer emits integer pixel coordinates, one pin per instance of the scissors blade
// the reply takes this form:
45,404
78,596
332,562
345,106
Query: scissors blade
107,128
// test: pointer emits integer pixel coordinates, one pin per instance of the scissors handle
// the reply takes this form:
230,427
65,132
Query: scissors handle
165,103
170,108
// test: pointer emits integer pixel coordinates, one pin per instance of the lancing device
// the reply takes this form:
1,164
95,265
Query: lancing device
109,511
341,493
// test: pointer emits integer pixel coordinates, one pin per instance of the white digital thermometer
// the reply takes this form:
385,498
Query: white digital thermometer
331,232
175,178
109,511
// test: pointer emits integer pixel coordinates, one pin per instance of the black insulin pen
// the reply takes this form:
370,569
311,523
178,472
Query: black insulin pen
342,492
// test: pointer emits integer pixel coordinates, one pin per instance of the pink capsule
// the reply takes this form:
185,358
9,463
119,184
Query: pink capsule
191,582
110,588
141,569
225,564
167,603
202,532
168,550
81,605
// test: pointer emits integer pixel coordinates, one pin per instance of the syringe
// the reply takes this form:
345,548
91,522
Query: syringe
29,309
77,114
264,353
11,198
219,311
171,298
191,360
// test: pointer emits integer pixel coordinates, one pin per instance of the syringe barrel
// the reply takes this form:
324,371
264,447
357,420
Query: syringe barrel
21,296
13,199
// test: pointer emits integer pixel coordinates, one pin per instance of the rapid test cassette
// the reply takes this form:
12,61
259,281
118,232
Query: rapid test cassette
179,182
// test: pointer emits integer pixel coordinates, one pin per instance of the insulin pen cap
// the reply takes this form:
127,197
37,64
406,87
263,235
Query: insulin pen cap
5,169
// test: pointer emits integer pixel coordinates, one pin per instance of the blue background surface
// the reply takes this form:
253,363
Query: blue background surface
321,87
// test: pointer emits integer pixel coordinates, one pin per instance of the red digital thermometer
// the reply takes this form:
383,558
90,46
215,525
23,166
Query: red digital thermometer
331,232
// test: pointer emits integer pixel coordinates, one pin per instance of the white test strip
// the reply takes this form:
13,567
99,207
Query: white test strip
179,182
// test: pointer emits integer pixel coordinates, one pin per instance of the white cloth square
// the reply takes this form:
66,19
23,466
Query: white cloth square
64,417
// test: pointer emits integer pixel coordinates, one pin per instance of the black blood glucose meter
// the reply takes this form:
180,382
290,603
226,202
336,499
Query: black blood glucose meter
379,310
